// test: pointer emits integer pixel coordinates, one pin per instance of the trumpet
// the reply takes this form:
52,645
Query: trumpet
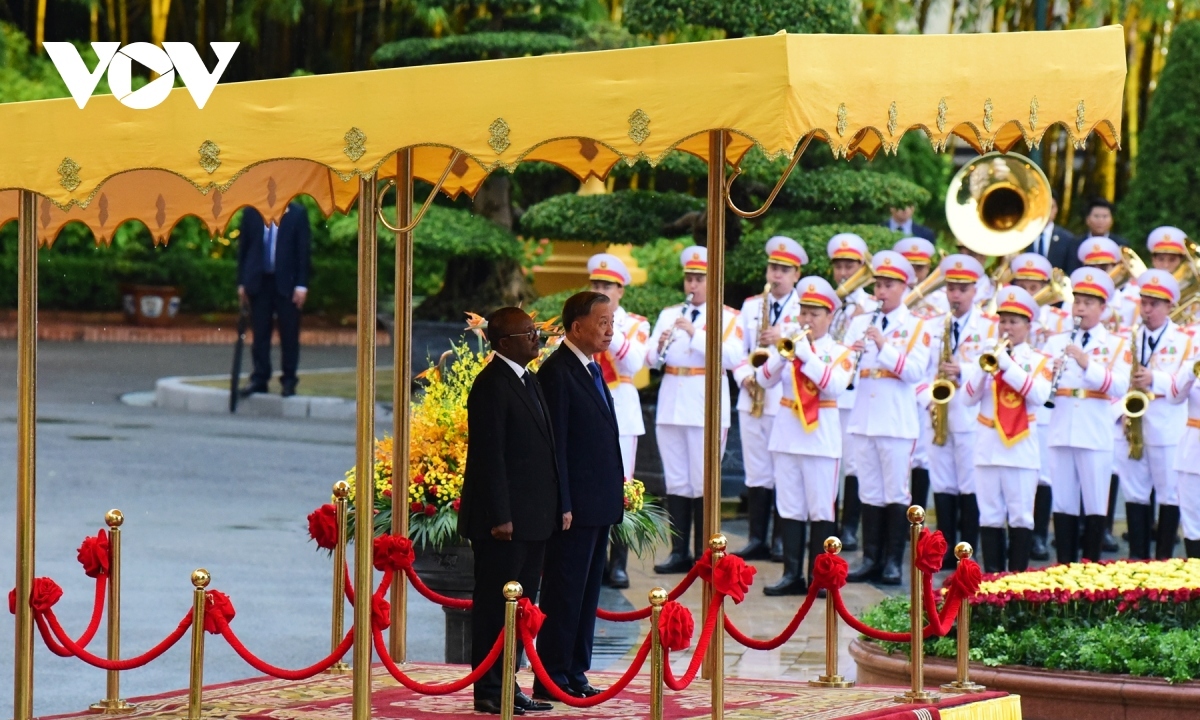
662,356
990,361
787,346
1058,373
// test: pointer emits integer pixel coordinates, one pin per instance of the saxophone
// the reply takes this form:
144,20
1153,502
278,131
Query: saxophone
942,392
758,358
1135,404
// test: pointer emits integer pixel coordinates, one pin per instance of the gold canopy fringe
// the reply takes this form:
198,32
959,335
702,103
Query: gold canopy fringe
1002,708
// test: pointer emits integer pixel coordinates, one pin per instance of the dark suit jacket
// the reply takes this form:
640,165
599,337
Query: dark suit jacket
918,230
511,473
293,250
587,442
1064,249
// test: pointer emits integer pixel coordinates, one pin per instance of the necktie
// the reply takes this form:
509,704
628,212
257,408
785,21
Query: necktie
885,323
1152,343
1086,336
955,336
695,314
776,309
269,247
597,379
528,380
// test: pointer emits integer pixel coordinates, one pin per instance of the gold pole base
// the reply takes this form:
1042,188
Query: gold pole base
918,698
111,707
338,668
831,681
963,687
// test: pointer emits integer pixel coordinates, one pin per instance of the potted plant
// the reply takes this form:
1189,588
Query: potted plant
147,296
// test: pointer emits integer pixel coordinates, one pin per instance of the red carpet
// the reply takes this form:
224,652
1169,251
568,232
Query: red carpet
327,697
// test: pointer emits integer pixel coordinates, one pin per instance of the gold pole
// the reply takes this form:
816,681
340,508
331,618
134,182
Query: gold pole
963,684
112,704
341,493
401,395
27,253
508,678
716,648
658,598
200,580
714,378
364,465
831,678
917,694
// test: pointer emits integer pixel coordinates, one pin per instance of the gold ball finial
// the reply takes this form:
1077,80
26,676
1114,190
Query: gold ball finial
718,543
658,597
916,514
341,489
114,518
963,551
201,578
833,545
513,590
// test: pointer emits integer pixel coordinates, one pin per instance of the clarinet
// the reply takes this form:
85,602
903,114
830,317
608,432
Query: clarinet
858,357
662,356
1059,372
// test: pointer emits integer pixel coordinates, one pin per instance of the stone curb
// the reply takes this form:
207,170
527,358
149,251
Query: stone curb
178,393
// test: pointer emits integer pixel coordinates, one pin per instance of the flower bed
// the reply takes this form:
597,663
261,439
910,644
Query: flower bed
1135,618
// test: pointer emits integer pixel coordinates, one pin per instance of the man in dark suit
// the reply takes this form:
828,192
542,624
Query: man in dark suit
1099,216
902,221
590,485
1057,244
273,266
510,490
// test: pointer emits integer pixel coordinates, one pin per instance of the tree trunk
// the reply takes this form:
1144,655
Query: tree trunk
110,15
40,37
201,25
124,9
1133,85
94,20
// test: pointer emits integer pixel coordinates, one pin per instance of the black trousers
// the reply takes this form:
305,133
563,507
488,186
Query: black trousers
267,306
497,562
570,594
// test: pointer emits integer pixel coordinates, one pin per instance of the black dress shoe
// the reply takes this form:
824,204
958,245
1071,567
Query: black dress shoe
288,391
585,691
491,706
523,702
248,390
618,579
540,693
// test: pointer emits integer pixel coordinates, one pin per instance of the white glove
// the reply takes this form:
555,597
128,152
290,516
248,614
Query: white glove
804,350
1004,361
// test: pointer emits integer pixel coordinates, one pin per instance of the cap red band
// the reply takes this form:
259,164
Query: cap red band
1099,257
780,257
1088,288
916,258
890,271
846,253
1169,246
1015,308
961,275
1157,291
1030,273
607,275
816,299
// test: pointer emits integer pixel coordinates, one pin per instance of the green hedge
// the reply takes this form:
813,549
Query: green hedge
645,300
626,216
466,48
739,17
747,263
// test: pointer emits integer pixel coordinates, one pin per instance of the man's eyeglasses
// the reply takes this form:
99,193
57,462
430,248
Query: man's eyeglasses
531,335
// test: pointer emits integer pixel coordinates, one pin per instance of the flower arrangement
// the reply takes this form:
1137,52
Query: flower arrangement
1128,617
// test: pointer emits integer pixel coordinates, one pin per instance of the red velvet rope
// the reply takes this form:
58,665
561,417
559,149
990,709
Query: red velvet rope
710,624
428,594
278,672
782,637
126,664
437,688
644,613
384,583
539,671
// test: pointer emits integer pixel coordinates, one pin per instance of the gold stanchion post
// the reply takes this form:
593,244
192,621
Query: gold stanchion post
401,394
341,494
200,580
27,253
716,650
658,598
831,678
364,452
112,704
963,684
508,678
917,694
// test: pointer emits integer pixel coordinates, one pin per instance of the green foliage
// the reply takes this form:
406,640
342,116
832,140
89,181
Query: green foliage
747,264
1163,190
645,300
660,259
626,216
466,48
917,162
643,531
739,17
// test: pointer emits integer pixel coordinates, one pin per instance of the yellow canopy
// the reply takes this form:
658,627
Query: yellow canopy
583,112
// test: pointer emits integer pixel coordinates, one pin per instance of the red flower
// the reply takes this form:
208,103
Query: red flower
387,493
217,604
456,504
393,553
419,480
323,527
416,506
94,555
433,489
431,510
675,626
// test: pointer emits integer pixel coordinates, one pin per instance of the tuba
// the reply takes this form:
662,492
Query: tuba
860,279
998,203
931,284
1130,267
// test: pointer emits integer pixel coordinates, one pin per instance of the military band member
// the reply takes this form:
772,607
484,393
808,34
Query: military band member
1093,374
847,255
985,288
1168,250
677,344
894,347
1007,462
919,253
1032,273
806,439
1187,460
624,358
1160,348
784,260
953,463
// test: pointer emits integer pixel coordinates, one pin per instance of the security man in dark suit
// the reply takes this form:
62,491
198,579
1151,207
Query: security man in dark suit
1057,244
510,490
1099,216
902,222
587,442
273,268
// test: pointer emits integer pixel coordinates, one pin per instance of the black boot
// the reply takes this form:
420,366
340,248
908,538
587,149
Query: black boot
615,575
818,533
758,501
1191,548
776,537
700,544
920,486
1109,543
1042,505
1168,532
851,510
792,582
1137,517
993,549
896,529
871,564
946,507
679,510
1020,540
968,520
1066,537
1093,537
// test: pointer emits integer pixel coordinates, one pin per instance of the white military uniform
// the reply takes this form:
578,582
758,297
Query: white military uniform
856,304
627,356
1051,321
806,458
680,417
1185,389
